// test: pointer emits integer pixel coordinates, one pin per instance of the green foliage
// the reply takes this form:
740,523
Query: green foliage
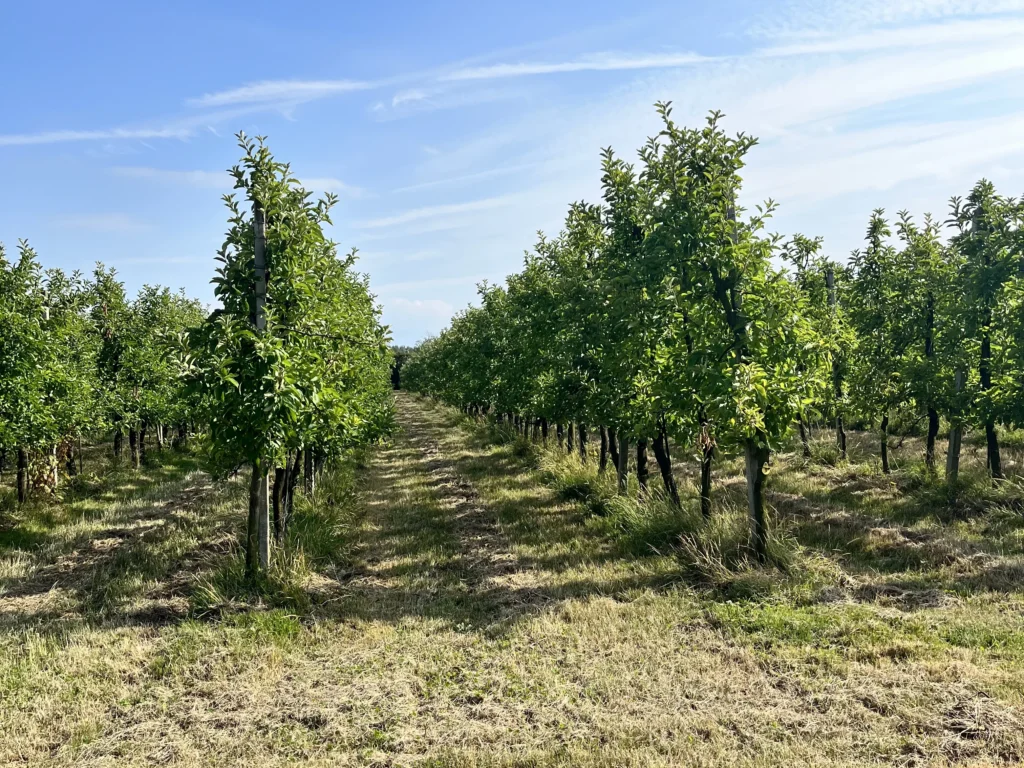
319,375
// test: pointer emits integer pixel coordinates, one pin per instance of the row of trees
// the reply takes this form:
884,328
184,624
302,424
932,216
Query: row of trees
77,356
291,369
662,313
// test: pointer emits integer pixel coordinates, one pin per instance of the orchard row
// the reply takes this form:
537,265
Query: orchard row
665,312
291,368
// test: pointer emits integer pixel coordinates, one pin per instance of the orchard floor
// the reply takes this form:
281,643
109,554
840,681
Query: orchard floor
480,617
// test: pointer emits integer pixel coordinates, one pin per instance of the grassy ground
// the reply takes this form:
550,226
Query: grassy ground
477,602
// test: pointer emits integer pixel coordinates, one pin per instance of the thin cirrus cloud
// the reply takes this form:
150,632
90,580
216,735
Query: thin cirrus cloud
596,63
278,91
59,137
958,33
224,181
206,179
438,212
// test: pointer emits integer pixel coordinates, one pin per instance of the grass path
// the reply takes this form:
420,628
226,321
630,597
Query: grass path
479,619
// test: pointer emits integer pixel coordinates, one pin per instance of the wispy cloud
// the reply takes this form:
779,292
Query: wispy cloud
204,179
959,33
438,212
278,91
403,97
810,18
103,222
603,62
59,137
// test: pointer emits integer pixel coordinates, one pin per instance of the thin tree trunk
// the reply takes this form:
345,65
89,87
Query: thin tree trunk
583,442
133,447
622,469
293,481
81,457
995,464
160,437
663,455
118,437
707,455
642,470
885,444
602,463
933,432
279,500
560,433
613,448
956,432
570,439
756,457
308,478
70,464
805,441
544,431
22,475
257,545
143,429
54,470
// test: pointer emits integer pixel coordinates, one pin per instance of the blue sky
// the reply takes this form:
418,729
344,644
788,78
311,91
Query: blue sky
452,132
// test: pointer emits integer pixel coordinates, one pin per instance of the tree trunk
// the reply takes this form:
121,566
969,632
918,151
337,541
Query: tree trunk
956,433
933,432
570,439
707,455
583,442
70,465
133,447
602,463
308,479
995,464
280,499
22,475
805,441
160,437
885,444
544,431
663,455
318,463
642,470
613,448
293,481
622,469
257,539
118,437
143,429
756,457
560,433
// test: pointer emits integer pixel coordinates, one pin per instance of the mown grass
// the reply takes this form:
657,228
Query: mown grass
466,600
